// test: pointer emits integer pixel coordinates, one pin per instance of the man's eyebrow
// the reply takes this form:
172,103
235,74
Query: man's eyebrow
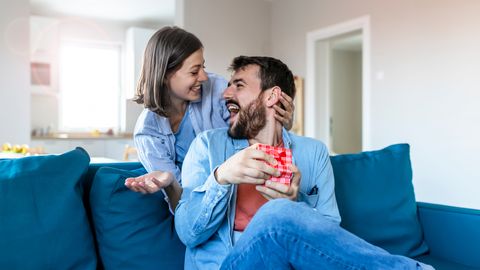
236,81
239,80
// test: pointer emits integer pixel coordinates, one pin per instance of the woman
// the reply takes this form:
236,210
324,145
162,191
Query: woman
181,100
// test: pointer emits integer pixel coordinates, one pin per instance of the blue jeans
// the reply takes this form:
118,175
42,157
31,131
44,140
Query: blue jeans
280,237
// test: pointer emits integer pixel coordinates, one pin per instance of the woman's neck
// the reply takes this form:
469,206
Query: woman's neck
177,107
175,114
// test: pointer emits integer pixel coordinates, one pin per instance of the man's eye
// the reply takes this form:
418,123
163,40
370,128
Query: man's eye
194,73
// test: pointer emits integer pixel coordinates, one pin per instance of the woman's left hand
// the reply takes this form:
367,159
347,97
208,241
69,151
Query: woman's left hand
285,115
150,182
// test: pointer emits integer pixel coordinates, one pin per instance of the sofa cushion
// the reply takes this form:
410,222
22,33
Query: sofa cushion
133,231
376,200
43,224
442,264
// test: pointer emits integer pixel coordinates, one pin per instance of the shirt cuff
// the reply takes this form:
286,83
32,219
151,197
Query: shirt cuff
165,197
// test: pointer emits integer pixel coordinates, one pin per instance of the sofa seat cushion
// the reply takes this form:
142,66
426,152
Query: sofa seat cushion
133,230
441,264
376,200
43,223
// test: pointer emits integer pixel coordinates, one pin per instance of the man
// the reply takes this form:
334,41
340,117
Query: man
225,184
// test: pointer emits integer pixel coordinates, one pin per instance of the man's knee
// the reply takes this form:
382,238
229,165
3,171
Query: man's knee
276,207
277,211
282,212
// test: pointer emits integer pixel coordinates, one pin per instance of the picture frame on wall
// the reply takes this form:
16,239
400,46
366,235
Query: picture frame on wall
298,114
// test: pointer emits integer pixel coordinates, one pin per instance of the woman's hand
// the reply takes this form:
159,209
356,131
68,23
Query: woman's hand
285,115
150,182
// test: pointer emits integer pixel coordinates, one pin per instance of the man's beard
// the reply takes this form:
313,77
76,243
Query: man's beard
250,120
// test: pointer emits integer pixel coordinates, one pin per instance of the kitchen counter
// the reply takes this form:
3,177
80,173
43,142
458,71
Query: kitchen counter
83,136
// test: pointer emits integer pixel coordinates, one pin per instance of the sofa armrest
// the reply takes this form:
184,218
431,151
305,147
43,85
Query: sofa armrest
452,233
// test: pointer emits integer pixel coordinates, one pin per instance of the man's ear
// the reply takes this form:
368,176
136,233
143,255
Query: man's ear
274,96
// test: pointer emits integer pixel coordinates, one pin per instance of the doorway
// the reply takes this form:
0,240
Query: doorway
337,86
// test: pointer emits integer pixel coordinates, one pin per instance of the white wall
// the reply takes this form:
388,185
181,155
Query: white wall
14,72
428,53
227,28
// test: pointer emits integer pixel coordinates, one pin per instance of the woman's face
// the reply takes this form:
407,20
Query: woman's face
185,83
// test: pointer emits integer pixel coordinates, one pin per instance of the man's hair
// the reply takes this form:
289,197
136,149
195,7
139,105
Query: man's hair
272,72
165,52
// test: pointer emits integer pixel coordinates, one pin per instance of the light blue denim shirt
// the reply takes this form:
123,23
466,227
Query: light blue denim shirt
205,214
153,136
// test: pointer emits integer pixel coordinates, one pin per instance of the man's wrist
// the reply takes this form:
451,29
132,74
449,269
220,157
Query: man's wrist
217,177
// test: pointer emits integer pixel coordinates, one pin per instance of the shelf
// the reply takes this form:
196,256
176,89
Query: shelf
40,91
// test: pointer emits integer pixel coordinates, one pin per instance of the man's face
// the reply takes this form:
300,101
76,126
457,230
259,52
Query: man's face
244,99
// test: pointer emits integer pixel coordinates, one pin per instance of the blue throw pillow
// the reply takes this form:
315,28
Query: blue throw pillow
133,231
43,224
376,200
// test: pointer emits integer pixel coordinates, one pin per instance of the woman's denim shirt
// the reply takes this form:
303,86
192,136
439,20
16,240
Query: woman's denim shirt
153,136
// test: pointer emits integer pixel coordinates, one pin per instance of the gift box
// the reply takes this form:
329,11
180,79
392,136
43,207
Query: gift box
284,160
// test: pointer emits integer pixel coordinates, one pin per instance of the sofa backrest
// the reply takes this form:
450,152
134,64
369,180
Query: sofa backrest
376,199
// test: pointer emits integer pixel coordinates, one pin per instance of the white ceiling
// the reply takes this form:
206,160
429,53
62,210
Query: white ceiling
143,11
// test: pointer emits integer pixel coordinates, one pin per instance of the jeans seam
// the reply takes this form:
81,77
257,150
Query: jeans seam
322,253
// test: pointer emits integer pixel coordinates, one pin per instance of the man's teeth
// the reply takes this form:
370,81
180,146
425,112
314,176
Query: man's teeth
233,108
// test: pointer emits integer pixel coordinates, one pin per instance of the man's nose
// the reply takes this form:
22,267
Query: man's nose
227,93
202,75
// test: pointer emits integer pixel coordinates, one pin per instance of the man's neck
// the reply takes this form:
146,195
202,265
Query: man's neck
271,134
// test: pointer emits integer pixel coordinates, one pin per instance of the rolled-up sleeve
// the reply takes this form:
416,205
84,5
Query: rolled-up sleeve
156,150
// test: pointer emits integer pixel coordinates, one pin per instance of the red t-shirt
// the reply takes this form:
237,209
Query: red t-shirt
249,200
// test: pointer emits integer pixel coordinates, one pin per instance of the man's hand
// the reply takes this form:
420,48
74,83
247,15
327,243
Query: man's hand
274,190
246,167
150,182
285,116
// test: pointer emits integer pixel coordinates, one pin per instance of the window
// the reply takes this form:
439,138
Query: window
90,89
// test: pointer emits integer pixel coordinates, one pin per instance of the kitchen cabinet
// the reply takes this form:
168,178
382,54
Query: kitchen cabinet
116,148
136,42
107,148
44,55
137,39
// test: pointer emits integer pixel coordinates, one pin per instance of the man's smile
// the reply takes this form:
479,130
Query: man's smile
233,107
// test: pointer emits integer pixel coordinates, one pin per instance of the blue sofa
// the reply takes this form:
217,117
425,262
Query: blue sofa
61,212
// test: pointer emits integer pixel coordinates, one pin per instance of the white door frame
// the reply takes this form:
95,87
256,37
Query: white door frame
311,97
